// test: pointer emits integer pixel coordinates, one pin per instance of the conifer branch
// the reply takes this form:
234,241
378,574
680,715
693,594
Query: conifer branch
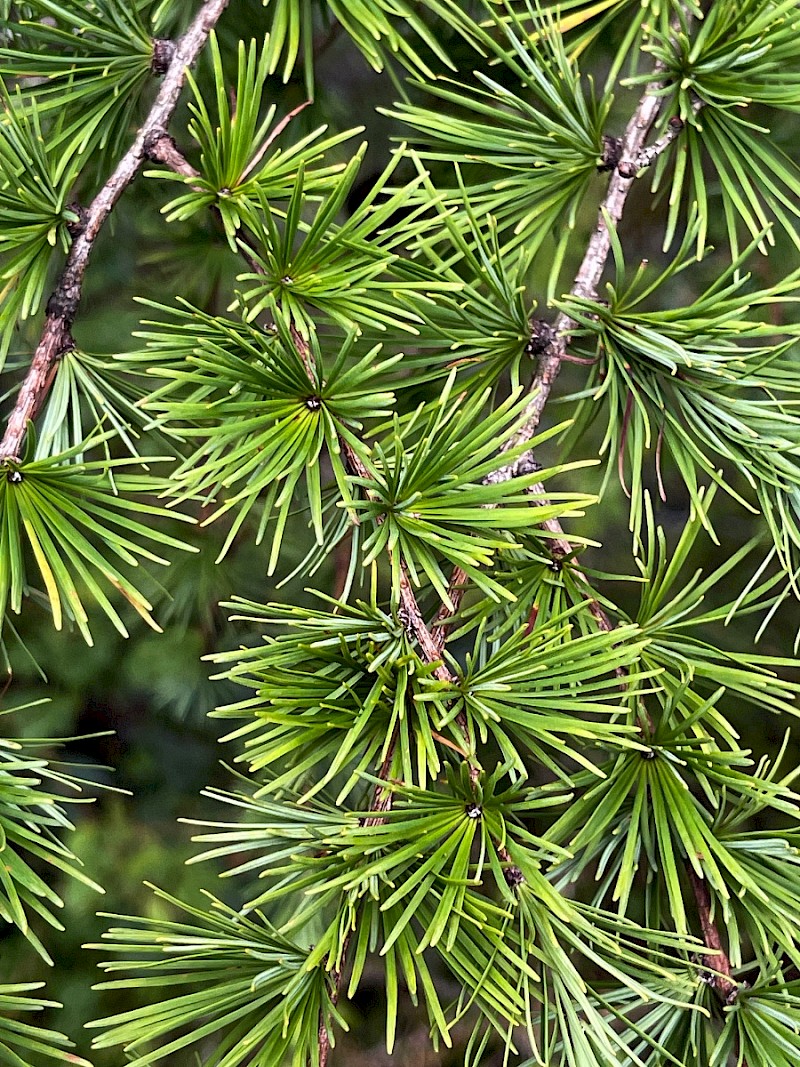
162,149
552,345
625,158
716,960
63,304
424,867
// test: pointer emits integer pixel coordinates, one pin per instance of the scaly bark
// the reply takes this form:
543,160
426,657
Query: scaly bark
63,304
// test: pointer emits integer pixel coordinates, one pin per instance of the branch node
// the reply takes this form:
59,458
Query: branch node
732,994
527,464
160,147
513,876
163,54
612,153
627,169
63,305
543,335
76,228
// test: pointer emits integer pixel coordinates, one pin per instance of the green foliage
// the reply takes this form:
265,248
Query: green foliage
516,696
485,315
74,520
332,269
437,497
380,29
86,399
35,215
86,68
33,817
365,674
698,382
738,57
520,779
30,818
259,989
262,422
19,1039
234,173
535,154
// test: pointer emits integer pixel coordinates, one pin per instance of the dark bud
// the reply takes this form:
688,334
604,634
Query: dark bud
163,52
14,476
626,169
473,811
542,336
76,228
612,151
513,876
526,464
734,992
56,306
676,122
313,403
556,565
648,753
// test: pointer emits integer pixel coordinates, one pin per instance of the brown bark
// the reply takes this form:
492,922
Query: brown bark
63,304
716,960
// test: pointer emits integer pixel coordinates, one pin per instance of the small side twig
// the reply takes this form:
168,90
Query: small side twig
650,154
322,1037
161,148
559,547
716,960
409,608
675,126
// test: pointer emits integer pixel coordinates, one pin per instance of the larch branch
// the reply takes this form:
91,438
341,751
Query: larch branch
63,304
162,149
716,960
591,269
549,343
